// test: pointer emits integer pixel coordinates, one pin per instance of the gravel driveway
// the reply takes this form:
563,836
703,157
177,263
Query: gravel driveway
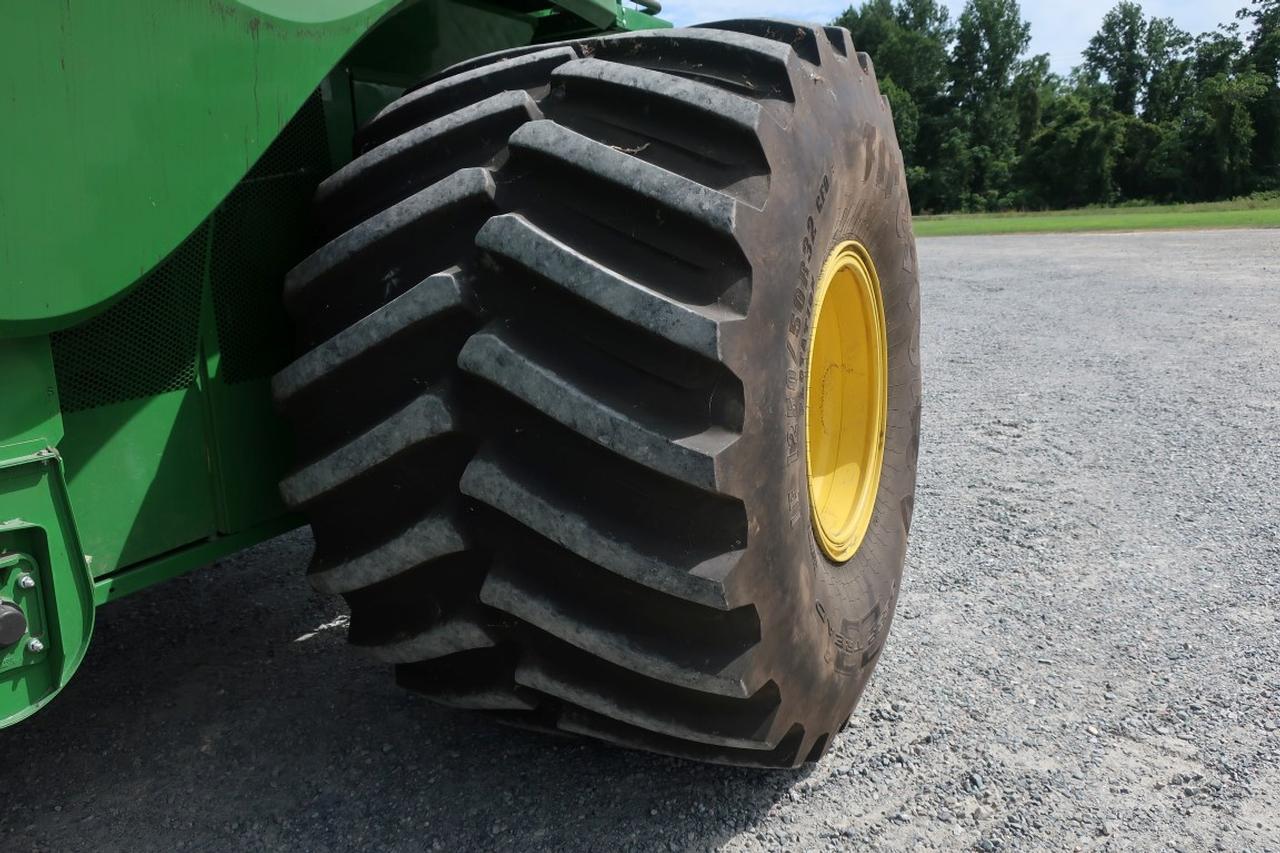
1087,652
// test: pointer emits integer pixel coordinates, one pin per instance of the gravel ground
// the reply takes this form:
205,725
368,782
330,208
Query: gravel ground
1085,656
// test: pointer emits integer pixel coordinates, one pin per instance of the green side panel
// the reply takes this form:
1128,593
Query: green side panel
130,121
127,122
30,414
182,560
38,540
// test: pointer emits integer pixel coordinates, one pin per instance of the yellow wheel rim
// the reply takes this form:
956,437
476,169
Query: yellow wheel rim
846,400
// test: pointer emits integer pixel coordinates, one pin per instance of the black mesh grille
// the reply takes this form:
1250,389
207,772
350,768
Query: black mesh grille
303,145
259,233
143,345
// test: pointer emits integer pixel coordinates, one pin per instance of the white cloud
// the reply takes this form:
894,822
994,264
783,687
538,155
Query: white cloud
1060,29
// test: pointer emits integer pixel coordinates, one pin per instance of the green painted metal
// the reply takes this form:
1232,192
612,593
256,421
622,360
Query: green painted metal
183,560
138,474
148,211
30,415
599,15
635,19
128,122
38,538
16,567
136,118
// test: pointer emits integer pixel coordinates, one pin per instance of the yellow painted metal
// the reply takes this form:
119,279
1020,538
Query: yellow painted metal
846,399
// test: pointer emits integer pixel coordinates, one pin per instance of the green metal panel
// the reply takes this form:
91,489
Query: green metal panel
138,475
127,122
30,414
131,120
170,565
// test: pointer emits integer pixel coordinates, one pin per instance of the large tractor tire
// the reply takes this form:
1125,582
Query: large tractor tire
610,397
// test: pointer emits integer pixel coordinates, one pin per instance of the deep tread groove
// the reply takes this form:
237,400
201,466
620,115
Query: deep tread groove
350,276
646,703
459,89
803,38
427,301
630,413
447,636
701,132
785,754
357,518
567,183
599,519
738,62
473,136
840,40
557,307
742,115
437,535
713,210
430,416
660,636
476,679
688,324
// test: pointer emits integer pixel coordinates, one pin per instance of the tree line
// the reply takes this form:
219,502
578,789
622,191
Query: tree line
1151,114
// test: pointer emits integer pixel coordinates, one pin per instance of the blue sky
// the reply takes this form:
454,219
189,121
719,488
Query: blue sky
1060,28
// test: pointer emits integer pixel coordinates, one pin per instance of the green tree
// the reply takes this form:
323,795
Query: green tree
1218,52
1220,133
920,44
1150,114
1117,53
990,37
906,118
1263,19
1033,87
1071,162
1169,81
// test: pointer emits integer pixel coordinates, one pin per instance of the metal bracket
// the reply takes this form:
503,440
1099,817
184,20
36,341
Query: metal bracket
43,573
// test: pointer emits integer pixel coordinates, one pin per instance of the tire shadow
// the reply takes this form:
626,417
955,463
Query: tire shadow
223,711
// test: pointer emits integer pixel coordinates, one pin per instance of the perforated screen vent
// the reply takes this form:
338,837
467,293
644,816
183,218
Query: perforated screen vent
143,345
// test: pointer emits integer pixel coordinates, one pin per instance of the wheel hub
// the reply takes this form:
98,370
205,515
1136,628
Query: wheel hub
846,400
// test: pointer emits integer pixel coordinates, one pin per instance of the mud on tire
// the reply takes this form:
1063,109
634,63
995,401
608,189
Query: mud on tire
550,406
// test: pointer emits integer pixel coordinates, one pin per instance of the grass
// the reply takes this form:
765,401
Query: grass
1241,213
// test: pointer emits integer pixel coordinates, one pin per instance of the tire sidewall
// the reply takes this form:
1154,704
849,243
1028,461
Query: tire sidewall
843,180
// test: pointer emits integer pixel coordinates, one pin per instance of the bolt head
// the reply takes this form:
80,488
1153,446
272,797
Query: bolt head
26,582
35,646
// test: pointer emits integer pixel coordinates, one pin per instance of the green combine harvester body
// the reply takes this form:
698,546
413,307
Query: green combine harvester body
159,158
